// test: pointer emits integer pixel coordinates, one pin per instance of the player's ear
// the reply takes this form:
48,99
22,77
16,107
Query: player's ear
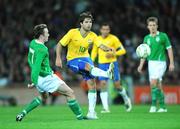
81,23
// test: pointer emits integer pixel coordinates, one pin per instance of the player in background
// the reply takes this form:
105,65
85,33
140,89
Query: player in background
159,43
78,41
42,76
104,60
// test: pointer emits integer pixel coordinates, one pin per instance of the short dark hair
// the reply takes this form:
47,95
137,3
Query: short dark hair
105,24
152,19
38,30
85,15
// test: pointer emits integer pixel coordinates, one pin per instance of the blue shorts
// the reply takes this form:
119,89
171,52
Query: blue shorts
105,67
77,65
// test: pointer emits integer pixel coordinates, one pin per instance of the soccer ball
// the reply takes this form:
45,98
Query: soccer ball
143,50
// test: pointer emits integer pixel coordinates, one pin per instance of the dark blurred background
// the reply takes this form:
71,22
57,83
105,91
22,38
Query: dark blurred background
127,18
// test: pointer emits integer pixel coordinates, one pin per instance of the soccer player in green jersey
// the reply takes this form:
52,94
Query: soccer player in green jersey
42,76
159,43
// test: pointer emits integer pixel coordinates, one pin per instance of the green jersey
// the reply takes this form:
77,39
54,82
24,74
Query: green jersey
38,59
158,45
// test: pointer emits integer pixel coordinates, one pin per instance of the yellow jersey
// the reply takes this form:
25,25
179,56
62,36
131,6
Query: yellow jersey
110,41
76,44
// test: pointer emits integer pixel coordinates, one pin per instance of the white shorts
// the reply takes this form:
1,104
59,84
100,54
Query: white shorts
156,69
49,83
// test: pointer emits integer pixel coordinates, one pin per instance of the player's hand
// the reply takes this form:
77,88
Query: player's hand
105,48
109,55
139,69
31,85
171,67
58,62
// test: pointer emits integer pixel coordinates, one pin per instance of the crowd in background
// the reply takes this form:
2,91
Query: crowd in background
127,19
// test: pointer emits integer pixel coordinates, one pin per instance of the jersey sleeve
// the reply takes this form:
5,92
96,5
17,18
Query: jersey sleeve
96,41
167,42
120,50
36,67
66,38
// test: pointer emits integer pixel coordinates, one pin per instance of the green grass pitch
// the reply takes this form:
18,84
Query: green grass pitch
60,117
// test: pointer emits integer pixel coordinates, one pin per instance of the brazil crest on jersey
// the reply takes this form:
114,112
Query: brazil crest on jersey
38,59
158,45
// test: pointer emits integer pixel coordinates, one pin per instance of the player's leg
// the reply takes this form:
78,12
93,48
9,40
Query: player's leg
156,71
160,95
122,91
100,73
103,87
87,64
162,68
153,78
104,96
81,65
92,96
65,90
154,90
32,105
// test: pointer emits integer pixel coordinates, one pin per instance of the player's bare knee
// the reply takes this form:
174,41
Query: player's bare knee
70,94
40,97
91,84
117,85
88,67
153,83
44,96
103,84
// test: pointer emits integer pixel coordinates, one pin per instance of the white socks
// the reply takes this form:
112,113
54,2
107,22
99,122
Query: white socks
98,72
123,94
92,96
104,99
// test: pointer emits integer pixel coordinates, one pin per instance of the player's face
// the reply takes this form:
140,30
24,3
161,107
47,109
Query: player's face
152,26
105,30
86,24
46,34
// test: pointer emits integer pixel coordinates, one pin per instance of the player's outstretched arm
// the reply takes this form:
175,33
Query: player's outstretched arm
140,67
58,55
171,59
120,51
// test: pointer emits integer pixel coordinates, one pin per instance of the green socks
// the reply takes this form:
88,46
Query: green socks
160,95
34,103
74,106
157,94
154,95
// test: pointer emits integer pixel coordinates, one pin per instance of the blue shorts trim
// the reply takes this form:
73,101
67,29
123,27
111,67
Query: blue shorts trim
77,65
105,67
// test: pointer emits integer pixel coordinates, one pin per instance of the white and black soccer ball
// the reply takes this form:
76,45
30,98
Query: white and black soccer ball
143,50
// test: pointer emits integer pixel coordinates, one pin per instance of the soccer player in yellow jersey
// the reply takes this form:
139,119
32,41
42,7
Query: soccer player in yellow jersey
78,59
104,60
